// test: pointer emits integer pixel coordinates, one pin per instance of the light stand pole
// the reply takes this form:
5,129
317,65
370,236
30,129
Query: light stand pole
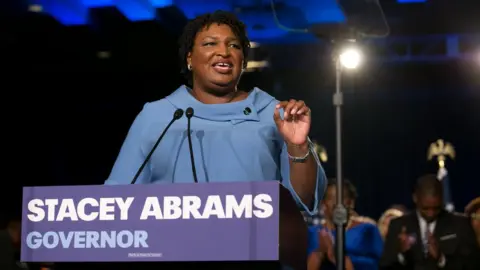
365,19
340,213
341,37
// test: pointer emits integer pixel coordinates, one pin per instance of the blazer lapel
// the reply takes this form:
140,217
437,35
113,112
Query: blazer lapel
439,227
442,226
442,230
417,248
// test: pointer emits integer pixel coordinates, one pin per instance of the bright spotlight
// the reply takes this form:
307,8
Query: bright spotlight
350,58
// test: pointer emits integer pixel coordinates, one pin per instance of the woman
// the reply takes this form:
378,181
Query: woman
363,241
384,221
473,211
236,135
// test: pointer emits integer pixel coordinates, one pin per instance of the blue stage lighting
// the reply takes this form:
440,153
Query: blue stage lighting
97,3
293,16
410,1
161,3
193,8
324,11
67,12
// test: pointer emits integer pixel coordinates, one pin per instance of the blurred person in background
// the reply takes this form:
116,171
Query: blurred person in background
364,243
238,135
430,237
472,210
393,212
10,244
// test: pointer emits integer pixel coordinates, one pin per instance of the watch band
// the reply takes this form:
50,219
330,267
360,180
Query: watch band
300,159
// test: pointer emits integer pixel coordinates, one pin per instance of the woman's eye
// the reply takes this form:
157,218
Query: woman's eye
236,46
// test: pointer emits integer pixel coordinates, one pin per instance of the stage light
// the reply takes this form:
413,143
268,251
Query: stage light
35,8
103,54
254,45
350,58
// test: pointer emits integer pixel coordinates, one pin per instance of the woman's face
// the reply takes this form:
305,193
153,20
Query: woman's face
216,59
330,200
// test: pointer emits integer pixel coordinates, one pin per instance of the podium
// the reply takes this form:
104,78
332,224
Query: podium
247,225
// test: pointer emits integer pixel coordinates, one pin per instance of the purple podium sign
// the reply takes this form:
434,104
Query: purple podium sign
178,222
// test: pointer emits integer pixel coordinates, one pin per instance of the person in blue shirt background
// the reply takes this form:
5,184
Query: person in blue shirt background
236,135
363,244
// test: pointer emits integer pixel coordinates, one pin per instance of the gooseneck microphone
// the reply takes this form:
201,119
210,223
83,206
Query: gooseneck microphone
189,114
176,115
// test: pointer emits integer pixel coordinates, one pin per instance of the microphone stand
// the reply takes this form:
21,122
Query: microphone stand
340,213
176,115
189,114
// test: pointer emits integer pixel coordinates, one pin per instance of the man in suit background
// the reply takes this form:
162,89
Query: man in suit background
430,238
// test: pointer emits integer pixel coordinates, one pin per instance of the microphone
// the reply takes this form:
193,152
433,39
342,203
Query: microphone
176,115
189,114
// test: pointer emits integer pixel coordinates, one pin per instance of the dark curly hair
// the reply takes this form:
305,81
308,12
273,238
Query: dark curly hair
187,39
428,184
348,187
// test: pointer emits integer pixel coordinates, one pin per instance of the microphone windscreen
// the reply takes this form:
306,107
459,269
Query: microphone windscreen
178,114
189,112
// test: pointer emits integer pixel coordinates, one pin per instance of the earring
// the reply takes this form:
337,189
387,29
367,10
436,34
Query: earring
189,67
